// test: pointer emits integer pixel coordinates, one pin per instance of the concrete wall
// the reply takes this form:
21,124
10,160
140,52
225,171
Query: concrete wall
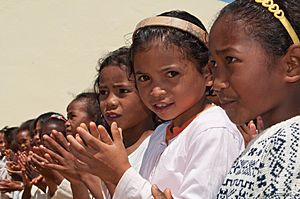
49,48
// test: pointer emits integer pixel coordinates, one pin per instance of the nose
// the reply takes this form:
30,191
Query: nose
220,79
67,123
158,92
112,101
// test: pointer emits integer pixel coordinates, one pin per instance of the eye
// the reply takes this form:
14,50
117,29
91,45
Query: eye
124,90
212,64
143,78
103,92
230,60
172,74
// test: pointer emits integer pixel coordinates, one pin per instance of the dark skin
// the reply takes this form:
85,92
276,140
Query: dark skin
241,60
238,62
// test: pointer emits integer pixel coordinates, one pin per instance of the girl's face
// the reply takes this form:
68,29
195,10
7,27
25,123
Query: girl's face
36,140
76,114
247,83
170,84
23,140
119,100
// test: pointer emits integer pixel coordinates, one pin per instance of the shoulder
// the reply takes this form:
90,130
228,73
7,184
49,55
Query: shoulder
214,121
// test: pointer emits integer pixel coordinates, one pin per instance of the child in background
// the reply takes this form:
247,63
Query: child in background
258,41
38,125
83,109
55,122
194,150
119,101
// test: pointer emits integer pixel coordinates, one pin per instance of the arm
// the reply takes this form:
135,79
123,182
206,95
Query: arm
79,191
210,157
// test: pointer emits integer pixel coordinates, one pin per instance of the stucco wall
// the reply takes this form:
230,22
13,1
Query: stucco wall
49,48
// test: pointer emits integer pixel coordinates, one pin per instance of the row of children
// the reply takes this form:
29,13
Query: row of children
252,62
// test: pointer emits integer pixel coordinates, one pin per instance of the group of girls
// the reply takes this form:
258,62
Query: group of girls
250,60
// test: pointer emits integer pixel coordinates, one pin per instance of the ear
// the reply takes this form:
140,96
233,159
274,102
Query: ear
292,65
207,74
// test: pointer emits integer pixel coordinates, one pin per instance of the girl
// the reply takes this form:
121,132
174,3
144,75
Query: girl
119,101
169,57
263,48
83,109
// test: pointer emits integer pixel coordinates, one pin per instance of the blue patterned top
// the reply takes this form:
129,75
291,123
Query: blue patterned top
269,167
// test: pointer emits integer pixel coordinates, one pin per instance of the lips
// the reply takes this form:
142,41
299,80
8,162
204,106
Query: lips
226,103
111,115
161,107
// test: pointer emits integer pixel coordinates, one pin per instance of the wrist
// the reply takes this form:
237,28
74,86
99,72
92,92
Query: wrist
120,173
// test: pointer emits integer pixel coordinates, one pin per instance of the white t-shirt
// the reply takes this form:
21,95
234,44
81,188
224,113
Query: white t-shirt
193,165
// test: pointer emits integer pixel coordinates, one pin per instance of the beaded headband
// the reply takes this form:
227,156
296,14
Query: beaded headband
174,23
279,14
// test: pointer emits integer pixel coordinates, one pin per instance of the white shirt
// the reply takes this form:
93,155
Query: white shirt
193,165
135,159
269,167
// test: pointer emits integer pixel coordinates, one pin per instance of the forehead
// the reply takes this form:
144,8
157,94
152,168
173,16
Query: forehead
77,105
225,31
114,73
157,55
23,134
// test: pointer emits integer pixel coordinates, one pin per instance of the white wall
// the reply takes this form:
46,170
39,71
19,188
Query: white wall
49,48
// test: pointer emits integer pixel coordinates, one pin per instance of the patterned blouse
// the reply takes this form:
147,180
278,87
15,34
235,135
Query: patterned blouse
269,167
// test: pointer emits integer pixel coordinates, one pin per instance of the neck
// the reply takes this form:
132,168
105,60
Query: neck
286,110
133,134
192,111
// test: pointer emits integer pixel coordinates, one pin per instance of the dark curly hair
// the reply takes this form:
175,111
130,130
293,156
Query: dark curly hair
119,57
92,105
191,47
261,25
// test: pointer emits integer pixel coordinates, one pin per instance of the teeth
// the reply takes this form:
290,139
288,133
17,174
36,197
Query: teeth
112,115
161,105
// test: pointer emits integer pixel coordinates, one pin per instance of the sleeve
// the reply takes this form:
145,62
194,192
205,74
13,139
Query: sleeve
132,185
63,191
210,157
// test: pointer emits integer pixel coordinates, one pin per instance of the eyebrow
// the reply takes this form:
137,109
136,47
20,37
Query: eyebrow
226,49
116,85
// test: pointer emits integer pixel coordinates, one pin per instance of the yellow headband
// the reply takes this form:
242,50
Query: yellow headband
279,14
175,23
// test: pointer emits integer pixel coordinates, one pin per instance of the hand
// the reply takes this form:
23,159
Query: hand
38,161
109,155
9,186
158,194
251,130
64,161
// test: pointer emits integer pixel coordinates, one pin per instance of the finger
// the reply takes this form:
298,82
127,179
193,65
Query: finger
156,193
54,166
78,150
60,139
84,126
82,166
104,136
260,124
79,140
94,130
38,159
89,139
168,194
53,155
252,130
116,133
54,145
